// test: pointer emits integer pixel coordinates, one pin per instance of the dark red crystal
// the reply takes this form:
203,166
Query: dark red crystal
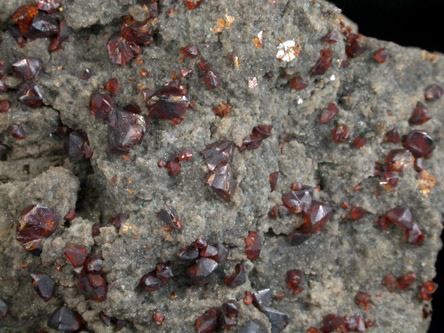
415,235
170,218
158,317
398,159
189,51
28,68
333,323
355,323
253,245
220,152
77,146
96,229
113,86
405,282
188,254
64,319
212,79
392,136
359,142
43,26
324,62
237,278
340,134
299,235
401,216
258,134
164,272
101,105
206,323
221,181
420,115
328,113
169,102
419,143
117,221
230,308
173,167
4,105
427,290
138,32
125,130
94,264
433,92
357,213
383,222
331,38
193,4
273,178
381,55
201,271
93,286
222,110
298,84
317,216
43,285
363,298
86,75
353,46
121,51
76,255
36,223
3,87
222,253
62,36
294,279
149,282
29,94
185,155
299,200
389,282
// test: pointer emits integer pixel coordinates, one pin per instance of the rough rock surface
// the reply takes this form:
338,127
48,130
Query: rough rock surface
346,257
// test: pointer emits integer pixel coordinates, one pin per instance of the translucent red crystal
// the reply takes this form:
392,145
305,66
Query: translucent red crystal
294,279
164,272
201,271
357,213
259,133
28,68
419,143
113,86
77,146
207,323
212,79
209,251
401,216
158,317
29,94
173,167
317,216
298,84
381,55
390,282
92,286
43,26
4,106
62,36
406,281
340,134
188,254
101,105
185,155
353,46
43,285
433,92
420,115
36,223
96,229
328,113
169,102
398,160
363,298
193,4
331,38
23,17
125,130
324,62
189,51
86,75
220,152
427,290
253,245
237,278
333,323
299,200
221,181
414,235
170,218
149,282
222,110
121,51
383,222
76,255
273,178
138,32
392,136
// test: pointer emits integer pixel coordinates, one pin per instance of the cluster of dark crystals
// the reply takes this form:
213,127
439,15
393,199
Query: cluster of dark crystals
345,324
218,157
316,214
214,318
28,69
159,277
126,129
90,277
107,321
258,134
123,47
211,77
402,217
35,224
30,22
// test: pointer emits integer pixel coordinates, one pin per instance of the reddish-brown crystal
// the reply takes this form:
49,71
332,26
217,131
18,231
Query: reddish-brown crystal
164,272
4,105
427,290
433,92
392,136
217,153
237,278
414,235
193,4
298,84
405,282
185,155
353,46
357,213
207,323
36,223
389,179
331,38
328,113
94,264
62,36
381,55
420,115
93,286
359,142
383,222
101,105
211,78
86,75
340,134
158,317
258,134
43,26
189,51
71,215
419,143
363,298
23,17
201,271
273,178
149,282
96,229
324,62
399,159
294,279
298,200
28,68
121,51
389,282
138,32
113,86
117,221
222,110
125,130
170,218
43,285
29,94
401,216
221,181
253,245
76,255
317,216
188,254
173,167
169,102
333,323
209,251
77,146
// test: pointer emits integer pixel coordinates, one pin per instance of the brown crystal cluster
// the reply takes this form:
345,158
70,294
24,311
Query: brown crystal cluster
214,318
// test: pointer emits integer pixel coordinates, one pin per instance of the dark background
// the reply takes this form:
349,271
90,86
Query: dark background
418,23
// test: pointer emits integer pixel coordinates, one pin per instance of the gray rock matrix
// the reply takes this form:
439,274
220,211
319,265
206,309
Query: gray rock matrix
345,258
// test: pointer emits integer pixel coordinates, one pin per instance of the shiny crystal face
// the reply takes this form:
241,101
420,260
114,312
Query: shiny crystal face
201,271
169,102
77,146
125,130
401,216
29,94
420,143
28,68
220,152
298,201
43,285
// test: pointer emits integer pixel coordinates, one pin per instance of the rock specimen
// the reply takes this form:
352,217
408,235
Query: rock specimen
196,165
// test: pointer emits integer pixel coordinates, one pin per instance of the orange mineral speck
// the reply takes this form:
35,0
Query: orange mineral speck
219,27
